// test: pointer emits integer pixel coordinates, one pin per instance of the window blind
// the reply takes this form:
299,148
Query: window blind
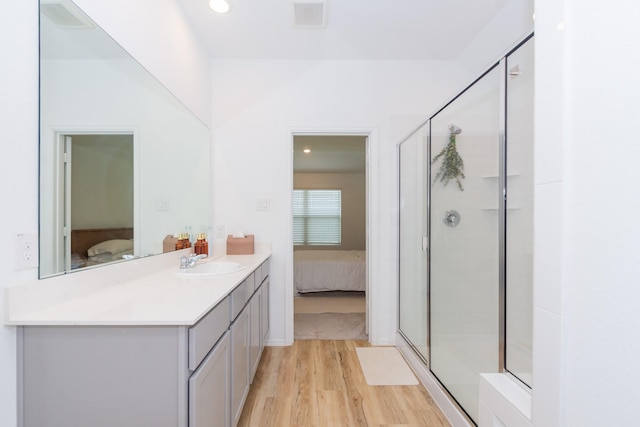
317,217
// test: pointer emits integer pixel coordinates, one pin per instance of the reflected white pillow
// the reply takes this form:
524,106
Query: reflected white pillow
111,246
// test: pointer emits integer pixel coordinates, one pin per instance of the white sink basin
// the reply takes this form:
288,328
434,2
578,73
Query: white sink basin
214,268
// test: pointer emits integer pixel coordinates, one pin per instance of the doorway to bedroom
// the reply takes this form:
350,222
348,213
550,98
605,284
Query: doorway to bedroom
330,236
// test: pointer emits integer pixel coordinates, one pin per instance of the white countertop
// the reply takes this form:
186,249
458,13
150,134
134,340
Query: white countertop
162,297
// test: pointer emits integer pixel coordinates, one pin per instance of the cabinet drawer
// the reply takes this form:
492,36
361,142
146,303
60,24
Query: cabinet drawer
204,334
240,295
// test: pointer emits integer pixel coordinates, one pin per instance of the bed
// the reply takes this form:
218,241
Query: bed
95,246
330,270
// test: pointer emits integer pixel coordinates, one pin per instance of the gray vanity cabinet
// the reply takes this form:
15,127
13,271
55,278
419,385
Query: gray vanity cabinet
132,376
103,376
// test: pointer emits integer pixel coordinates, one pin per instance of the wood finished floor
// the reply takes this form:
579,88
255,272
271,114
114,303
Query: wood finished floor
320,383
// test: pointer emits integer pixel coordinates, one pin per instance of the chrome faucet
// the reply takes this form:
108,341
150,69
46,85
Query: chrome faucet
191,261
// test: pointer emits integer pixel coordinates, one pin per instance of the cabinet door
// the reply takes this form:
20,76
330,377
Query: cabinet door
240,336
256,334
209,388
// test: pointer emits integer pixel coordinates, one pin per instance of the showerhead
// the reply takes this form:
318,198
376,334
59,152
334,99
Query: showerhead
454,130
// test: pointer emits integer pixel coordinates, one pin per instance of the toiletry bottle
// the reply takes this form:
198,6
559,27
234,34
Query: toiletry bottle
198,247
205,244
179,243
185,239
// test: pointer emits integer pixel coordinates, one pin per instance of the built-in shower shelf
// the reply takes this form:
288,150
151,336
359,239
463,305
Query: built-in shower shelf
498,176
515,208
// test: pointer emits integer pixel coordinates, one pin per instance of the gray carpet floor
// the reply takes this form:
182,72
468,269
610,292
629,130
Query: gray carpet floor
329,326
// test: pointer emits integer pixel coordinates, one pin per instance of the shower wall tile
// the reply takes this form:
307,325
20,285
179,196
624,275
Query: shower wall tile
549,90
548,126
549,29
547,389
547,289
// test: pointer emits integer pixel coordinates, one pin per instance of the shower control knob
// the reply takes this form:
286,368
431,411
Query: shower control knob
451,218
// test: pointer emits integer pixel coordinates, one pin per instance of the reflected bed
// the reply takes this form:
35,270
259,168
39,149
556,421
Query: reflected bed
95,246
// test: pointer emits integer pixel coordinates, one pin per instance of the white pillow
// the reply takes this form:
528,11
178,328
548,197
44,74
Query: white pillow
110,246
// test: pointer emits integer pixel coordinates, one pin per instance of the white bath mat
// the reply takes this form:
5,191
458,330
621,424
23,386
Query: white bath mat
384,366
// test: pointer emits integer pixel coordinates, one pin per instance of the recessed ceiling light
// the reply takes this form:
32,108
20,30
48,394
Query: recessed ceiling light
220,6
307,150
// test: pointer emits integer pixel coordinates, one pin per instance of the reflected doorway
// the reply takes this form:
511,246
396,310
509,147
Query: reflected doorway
95,202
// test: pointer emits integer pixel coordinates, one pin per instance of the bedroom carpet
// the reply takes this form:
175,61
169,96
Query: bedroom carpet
384,366
329,326
339,317
323,304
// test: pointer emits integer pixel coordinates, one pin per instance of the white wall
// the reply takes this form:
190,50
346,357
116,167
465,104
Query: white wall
19,123
257,105
100,160
586,314
602,231
19,173
158,35
513,23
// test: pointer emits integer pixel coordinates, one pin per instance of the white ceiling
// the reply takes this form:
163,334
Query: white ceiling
329,153
356,29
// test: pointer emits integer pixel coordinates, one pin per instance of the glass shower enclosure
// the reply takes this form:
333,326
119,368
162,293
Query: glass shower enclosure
465,227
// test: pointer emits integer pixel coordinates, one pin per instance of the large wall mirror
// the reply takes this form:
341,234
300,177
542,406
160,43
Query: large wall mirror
123,163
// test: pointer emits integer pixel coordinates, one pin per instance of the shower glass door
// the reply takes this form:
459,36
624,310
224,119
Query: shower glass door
413,239
464,253
519,241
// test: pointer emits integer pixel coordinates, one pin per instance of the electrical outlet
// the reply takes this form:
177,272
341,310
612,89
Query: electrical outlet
26,251
220,232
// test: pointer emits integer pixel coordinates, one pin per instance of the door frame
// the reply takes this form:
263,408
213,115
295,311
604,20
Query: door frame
372,288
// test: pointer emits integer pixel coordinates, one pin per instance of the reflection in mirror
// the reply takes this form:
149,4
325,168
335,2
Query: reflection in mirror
123,164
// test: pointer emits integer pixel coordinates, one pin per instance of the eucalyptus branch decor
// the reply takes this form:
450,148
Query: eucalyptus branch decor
452,166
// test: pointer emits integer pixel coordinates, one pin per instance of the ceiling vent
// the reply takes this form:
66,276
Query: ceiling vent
64,15
309,14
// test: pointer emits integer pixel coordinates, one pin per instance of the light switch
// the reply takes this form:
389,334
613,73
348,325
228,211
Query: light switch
263,205
162,205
